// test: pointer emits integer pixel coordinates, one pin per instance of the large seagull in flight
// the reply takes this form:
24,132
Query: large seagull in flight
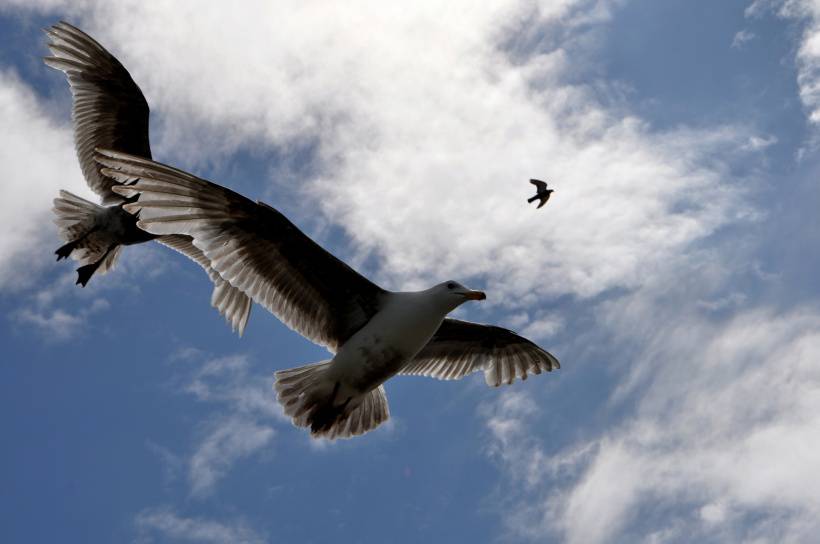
375,334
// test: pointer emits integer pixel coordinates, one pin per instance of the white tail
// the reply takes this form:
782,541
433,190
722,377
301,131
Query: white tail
75,215
78,220
307,396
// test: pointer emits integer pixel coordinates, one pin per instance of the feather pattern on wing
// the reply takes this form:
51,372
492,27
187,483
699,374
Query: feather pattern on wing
109,109
252,246
459,348
232,304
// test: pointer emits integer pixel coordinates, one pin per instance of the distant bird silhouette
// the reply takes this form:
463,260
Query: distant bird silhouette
543,193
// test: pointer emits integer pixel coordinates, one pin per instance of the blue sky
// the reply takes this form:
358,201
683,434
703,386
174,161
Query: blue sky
674,273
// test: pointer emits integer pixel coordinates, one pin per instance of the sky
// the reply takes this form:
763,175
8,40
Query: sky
673,273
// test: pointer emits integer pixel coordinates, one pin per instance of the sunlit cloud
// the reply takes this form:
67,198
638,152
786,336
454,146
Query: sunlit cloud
29,185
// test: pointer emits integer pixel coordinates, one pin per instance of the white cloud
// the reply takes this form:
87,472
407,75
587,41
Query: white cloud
724,431
59,310
511,444
741,38
227,380
515,445
758,7
808,55
243,426
165,525
436,184
714,512
58,324
226,442
455,106
543,327
36,160
808,52
756,143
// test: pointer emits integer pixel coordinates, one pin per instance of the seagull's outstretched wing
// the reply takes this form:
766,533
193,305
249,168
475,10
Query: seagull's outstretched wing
460,347
109,109
540,184
252,246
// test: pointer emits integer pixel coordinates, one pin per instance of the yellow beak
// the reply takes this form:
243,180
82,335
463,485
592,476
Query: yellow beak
475,295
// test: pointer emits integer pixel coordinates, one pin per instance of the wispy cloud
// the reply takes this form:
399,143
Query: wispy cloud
756,143
57,324
166,525
59,310
243,426
226,441
512,443
720,441
808,52
726,426
741,38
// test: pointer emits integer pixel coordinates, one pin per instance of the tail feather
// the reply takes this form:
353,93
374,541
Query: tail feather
307,397
372,412
94,248
75,216
300,390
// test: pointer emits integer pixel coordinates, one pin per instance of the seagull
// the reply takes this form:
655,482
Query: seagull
109,110
543,193
374,334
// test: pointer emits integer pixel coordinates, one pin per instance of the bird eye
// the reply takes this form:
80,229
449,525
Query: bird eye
451,285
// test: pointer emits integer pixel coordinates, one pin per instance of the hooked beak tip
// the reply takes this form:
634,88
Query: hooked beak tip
475,295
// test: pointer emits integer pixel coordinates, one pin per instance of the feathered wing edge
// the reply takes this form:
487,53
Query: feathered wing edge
251,245
108,108
230,302
460,348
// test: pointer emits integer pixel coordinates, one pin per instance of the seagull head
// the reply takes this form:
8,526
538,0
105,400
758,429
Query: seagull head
452,294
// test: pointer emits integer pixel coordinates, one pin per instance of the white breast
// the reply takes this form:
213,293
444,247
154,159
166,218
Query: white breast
391,338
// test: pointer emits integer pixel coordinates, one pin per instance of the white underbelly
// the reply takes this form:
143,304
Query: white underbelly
382,347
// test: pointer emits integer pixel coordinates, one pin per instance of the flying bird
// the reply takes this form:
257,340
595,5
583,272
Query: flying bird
543,193
109,110
374,333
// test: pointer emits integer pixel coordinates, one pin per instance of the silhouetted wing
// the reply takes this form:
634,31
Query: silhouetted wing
460,347
252,246
232,304
540,184
543,201
109,109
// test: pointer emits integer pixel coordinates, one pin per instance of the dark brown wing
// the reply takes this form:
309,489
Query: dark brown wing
109,109
252,246
460,347
540,184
